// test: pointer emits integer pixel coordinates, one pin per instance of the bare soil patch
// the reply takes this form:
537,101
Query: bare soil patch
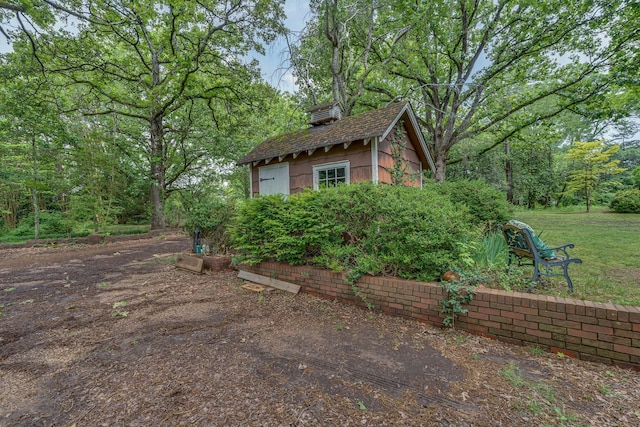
114,334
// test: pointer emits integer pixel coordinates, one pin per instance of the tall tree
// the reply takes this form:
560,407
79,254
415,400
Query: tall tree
33,135
12,169
159,63
345,43
462,58
459,61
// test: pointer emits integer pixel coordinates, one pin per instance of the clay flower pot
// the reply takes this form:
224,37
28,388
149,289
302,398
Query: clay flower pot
450,276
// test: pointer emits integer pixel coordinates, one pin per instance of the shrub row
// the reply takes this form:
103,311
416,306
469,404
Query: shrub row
367,229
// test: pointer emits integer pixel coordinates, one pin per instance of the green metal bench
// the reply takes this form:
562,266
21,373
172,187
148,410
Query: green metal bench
521,245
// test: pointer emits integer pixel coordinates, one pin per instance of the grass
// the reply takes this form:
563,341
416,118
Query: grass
535,351
541,402
125,229
608,244
108,230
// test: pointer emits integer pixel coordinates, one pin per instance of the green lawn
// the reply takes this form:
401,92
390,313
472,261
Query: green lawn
125,229
109,230
608,244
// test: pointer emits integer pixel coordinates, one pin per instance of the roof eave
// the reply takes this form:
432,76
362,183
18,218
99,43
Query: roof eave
245,160
416,128
423,143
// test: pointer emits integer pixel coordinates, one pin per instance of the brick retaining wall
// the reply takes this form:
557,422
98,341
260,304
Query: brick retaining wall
604,333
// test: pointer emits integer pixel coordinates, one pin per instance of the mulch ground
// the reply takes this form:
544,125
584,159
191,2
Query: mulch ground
114,334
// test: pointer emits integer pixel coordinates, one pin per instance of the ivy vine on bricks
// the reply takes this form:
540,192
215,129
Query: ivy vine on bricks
457,296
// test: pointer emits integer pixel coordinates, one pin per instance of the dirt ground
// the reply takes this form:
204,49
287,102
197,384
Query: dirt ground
114,334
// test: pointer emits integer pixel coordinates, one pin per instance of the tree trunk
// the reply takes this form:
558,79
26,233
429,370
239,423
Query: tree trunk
441,164
34,193
332,32
9,207
157,173
564,188
547,196
158,162
588,197
508,171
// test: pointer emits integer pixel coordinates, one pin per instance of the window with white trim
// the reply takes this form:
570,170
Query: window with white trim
331,174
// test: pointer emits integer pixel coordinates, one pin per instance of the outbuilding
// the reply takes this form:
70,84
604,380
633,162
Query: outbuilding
383,145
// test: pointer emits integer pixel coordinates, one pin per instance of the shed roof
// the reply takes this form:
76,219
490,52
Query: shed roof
374,123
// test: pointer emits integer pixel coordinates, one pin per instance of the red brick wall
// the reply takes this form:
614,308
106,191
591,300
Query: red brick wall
604,333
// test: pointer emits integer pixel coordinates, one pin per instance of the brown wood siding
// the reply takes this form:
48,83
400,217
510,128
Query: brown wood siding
385,159
358,155
301,168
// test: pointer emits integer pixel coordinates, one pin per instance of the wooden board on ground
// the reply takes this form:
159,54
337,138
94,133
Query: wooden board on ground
268,281
256,288
190,263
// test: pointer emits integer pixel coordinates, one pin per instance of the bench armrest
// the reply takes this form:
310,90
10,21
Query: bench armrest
563,248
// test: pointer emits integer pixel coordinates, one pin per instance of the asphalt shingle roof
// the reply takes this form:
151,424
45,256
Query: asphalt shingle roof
353,128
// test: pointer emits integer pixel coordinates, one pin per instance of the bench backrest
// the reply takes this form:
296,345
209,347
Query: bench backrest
519,240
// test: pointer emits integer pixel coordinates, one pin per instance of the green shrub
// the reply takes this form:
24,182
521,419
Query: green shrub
280,229
359,228
487,205
287,230
212,217
626,201
52,224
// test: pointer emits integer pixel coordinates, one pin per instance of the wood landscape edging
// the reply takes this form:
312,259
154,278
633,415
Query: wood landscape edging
591,331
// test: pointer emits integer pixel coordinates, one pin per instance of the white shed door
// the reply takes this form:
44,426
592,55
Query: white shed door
274,179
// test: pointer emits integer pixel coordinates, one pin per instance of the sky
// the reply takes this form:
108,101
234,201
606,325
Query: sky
274,64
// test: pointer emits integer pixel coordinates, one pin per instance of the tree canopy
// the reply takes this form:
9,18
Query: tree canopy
165,65
472,67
